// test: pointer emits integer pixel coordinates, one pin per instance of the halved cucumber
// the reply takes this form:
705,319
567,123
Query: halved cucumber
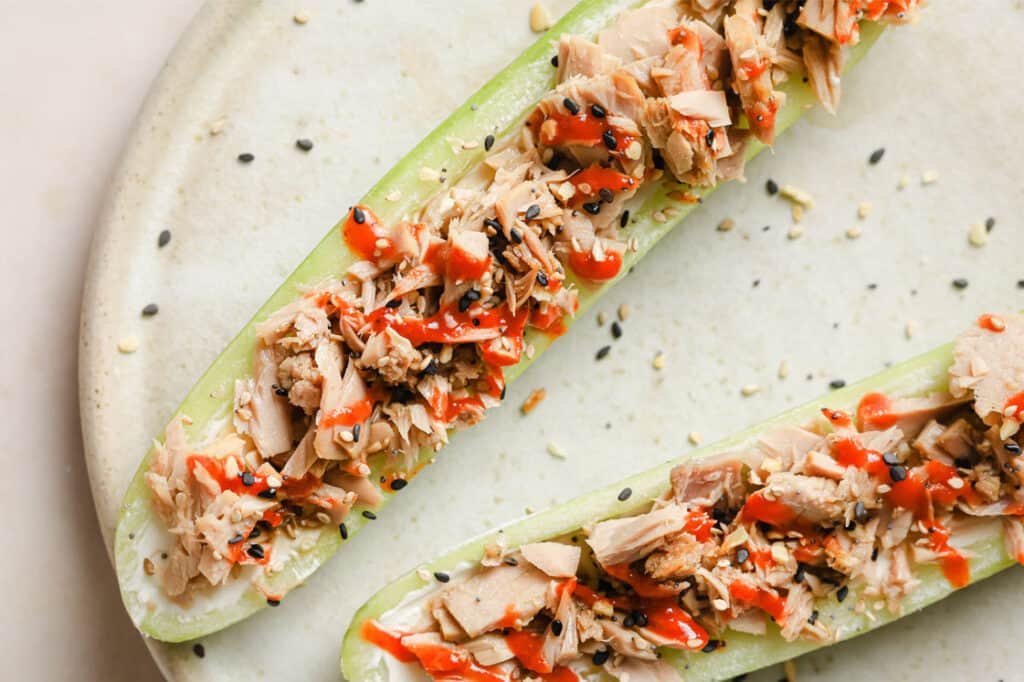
364,662
500,104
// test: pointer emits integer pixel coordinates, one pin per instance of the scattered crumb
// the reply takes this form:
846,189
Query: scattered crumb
977,235
726,225
623,312
555,450
128,344
910,329
394,195
853,232
659,360
929,177
796,196
429,175
784,369
749,390
695,437
540,18
534,399
863,209
302,18
903,182
795,232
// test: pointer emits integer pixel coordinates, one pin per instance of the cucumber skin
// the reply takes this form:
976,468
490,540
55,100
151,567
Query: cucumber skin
500,104
362,661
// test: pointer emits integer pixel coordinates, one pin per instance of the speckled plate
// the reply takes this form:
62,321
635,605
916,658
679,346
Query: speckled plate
365,81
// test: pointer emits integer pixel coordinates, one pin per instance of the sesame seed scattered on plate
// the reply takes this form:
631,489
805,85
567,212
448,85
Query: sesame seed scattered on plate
795,232
128,344
659,361
977,235
540,18
749,390
555,450
695,437
853,232
929,177
863,209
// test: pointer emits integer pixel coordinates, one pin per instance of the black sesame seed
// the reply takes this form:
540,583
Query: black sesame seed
532,212
876,156
273,602
488,143
814,617
606,195
542,279
431,369
592,207
343,529
554,61
608,137
268,494
164,239
393,303
598,111
603,352
872,286
556,628
358,215
657,159
1020,283
493,224
442,577
898,472
356,429
842,592
515,236
860,512
571,106
255,550
742,555
624,219
711,645
254,532
246,158
468,299
625,494
616,330
771,187
367,514
150,310
874,554
304,144
280,390
960,283
836,383
248,479
1011,447
798,577
601,657
399,483
640,618
476,321
511,561
199,650
890,458
236,539
709,139
990,223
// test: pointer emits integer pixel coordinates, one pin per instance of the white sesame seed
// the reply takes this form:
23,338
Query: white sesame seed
659,217
853,232
863,210
555,450
929,177
128,344
977,235
795,232
797,211
472,144
394,195
429,174
695,437
910,329
903,182
749,390
623,312
302,18
783,369
796,196
726,225
720,604
884,488
659,361
540,18
274,481
601,319
694,643
955,483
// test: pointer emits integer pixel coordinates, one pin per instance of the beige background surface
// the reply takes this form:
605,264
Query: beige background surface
72,76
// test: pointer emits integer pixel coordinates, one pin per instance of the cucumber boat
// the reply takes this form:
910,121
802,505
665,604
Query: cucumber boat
455,271
730,558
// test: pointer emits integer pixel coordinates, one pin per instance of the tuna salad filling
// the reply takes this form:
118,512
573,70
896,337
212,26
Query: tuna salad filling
410,343
850,508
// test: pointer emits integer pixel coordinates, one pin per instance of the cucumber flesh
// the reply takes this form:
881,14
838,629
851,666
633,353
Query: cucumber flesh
500,104
364,662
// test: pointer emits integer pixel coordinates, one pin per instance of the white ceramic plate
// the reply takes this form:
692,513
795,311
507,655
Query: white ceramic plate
365,81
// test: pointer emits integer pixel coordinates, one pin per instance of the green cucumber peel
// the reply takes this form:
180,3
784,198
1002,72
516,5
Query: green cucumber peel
364,662
501,104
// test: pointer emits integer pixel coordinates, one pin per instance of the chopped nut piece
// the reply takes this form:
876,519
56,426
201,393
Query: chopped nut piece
533,400
540,18
149,569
